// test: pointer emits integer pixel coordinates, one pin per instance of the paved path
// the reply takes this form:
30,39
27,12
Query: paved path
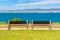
30,29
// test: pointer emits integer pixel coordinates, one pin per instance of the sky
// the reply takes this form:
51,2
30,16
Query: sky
28,4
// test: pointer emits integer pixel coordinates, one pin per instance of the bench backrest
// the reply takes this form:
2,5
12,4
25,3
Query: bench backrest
17,22
41,22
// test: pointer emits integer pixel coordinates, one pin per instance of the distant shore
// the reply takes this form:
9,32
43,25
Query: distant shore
31,11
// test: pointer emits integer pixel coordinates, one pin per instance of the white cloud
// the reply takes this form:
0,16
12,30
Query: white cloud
32,5
40,4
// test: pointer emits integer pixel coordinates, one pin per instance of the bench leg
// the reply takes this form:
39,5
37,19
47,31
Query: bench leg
32,27
27,27
8,27
50,27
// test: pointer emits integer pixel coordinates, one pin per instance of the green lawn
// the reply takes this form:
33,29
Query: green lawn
29,35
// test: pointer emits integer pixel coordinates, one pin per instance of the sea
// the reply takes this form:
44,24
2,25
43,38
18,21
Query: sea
54,17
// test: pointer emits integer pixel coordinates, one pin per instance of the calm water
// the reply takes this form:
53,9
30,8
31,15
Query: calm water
30,16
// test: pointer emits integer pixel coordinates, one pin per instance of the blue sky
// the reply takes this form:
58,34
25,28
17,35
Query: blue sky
29,4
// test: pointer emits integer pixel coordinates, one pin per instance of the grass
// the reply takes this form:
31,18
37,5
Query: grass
29,35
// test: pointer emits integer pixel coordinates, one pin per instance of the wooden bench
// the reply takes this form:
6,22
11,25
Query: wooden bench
41,23
17,23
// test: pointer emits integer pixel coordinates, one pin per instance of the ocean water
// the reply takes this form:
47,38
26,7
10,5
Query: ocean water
55,17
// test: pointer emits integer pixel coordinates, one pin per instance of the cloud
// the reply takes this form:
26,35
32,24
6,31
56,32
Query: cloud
35,5
39,4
